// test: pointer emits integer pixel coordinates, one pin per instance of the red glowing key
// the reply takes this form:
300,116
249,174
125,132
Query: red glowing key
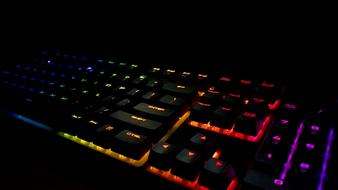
218,164
191,154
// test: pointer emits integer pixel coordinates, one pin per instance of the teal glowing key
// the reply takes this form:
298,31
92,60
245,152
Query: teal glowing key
85,91
111,62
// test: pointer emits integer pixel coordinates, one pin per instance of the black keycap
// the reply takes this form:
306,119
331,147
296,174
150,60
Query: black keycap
134,92
131,144
109,100
201,112
216,174
154,84
212,95
246,87
258,180
102,111
177,88
136,120
255,105
225,84
162,155
187,164
139,80
199,142
105,135
233,99
223,117
150,95
266,90
172,100
123,103
247,123
154,110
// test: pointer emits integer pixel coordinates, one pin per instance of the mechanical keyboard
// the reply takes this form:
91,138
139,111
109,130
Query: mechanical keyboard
194,128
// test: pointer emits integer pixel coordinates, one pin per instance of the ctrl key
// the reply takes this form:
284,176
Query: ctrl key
131,144
216,174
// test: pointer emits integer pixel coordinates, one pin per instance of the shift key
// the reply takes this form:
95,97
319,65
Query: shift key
136,121
154,110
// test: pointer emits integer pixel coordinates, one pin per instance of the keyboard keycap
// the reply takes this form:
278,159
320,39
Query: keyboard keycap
154,110
186,164
131,144
177,88
247,124
172,100
216,174
162,155
136,121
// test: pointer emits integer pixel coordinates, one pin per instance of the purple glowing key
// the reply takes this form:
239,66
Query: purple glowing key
278,182
304,166
290,106
310,146
315,128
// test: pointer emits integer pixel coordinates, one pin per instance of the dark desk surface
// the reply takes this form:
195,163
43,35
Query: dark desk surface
34,159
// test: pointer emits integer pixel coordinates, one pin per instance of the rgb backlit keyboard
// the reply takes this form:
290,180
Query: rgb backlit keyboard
197,129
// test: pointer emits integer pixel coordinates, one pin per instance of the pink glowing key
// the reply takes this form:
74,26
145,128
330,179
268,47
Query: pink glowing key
269,155
276,138
284,121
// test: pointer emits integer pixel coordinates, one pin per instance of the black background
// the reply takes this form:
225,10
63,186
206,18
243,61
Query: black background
300,50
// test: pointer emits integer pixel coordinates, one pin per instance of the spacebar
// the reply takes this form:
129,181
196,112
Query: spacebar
136,120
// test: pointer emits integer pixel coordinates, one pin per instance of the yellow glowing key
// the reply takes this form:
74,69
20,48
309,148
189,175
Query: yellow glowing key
156,108
76,116
93,122
133,135
138,118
